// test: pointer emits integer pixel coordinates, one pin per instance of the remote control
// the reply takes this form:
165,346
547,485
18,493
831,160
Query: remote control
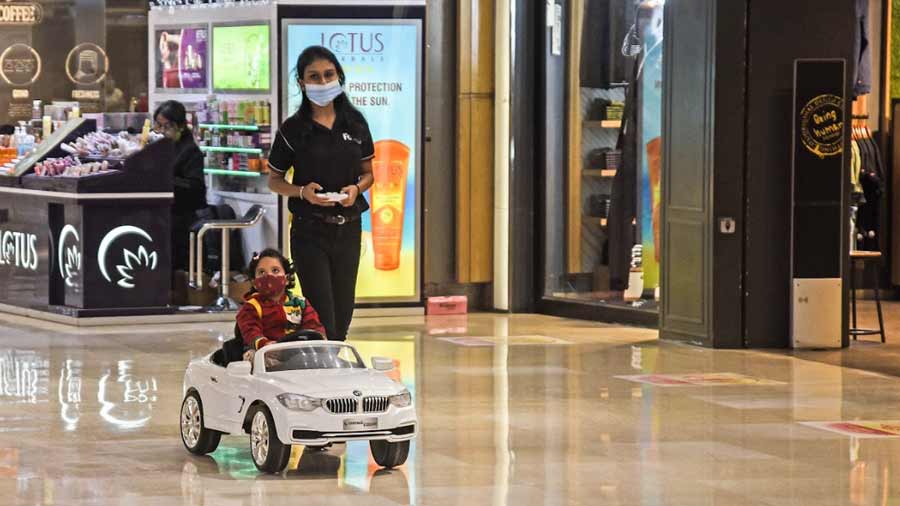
333,196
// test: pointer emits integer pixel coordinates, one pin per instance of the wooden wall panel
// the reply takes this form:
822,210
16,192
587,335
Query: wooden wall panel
475,142
463,197
482,31
574,207
481,180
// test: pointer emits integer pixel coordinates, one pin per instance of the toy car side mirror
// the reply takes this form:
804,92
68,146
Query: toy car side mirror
382,363
239,368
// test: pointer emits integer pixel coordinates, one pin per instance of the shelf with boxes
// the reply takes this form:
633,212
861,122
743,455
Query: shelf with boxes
595,120
602,164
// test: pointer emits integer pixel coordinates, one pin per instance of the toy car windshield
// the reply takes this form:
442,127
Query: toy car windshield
312,357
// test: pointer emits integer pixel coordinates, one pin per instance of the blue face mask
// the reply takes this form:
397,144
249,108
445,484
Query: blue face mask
324,94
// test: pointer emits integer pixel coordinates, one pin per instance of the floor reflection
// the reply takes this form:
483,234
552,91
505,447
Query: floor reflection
24,376
126,401
513,410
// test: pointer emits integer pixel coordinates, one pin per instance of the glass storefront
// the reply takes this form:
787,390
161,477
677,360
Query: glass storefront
89,53
609,221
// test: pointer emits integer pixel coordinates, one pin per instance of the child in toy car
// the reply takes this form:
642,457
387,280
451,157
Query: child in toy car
269,314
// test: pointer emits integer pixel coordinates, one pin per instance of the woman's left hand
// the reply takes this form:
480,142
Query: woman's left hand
352,192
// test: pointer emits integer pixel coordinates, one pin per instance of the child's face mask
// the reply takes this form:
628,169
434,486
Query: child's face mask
270,285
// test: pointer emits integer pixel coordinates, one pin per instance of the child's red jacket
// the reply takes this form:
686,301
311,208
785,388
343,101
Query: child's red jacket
262,321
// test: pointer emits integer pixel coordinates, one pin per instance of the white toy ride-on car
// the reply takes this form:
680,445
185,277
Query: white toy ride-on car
312,393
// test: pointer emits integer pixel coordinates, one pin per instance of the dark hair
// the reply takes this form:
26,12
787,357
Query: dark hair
286,265
173,111
342,105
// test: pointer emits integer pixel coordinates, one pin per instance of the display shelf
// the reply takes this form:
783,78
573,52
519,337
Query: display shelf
236,173
226,149
145,171
216,126
49,148
607,123
599,172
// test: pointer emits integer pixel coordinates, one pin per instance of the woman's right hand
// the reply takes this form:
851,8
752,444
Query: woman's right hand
308,192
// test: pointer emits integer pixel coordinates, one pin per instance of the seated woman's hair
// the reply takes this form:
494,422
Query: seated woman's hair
286,265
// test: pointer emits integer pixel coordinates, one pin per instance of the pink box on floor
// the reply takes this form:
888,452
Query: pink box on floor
456,304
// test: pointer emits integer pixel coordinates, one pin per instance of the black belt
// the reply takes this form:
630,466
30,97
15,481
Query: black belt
335,219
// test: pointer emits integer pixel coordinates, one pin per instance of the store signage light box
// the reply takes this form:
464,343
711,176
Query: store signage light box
241,58
381,59
181,58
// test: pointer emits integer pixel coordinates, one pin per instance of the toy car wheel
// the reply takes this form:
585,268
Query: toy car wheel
196,437
269,454
389,455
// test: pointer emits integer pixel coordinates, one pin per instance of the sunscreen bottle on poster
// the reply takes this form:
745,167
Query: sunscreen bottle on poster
390,169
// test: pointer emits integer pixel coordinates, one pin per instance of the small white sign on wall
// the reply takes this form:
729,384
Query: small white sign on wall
557,29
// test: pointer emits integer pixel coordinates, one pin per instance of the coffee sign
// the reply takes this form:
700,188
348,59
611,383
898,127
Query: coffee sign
20,13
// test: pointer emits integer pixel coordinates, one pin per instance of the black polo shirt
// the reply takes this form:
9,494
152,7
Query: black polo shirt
333,158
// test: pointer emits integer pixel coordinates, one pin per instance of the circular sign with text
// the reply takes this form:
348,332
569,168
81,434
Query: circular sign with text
20,65
87,64
822,125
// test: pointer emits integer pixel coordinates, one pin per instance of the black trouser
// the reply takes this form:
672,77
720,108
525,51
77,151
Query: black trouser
326,257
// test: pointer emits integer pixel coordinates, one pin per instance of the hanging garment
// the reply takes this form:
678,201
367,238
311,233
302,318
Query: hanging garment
862,82
872,181
855,167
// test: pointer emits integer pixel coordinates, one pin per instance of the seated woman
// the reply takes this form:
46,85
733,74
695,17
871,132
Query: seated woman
268,314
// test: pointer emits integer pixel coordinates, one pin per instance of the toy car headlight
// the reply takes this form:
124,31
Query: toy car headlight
402,399
299,402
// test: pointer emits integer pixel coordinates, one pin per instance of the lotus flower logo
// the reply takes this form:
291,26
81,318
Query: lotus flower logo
72,266
135,262
132,262
69,257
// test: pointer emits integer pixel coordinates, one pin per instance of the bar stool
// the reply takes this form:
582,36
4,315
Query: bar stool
224,302
865,257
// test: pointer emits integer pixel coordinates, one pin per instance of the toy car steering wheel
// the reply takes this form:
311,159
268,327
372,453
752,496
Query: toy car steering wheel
302,335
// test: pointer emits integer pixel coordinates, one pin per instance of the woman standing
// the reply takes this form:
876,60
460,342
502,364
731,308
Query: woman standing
170,119
329,145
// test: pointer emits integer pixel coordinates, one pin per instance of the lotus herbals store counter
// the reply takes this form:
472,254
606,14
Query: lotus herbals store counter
85,225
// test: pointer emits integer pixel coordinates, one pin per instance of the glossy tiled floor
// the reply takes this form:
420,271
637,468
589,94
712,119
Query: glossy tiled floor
525,410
